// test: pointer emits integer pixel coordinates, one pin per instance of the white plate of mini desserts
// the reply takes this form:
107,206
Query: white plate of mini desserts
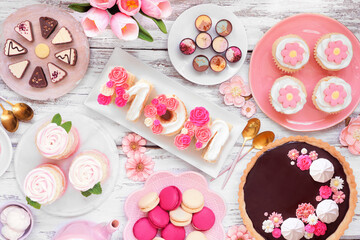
72,203
184,27
164,85
6,151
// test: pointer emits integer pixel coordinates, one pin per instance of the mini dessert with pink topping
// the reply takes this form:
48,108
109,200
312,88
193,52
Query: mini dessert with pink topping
333,51
233,54
288,95
332,94
290,53
187,46
165,115
57,140
44,185
88,171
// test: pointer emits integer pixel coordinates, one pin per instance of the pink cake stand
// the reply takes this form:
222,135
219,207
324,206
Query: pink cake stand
263,72
184,181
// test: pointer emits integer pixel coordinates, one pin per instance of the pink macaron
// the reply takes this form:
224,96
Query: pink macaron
143,230
170,198
171,232
203,220
159,218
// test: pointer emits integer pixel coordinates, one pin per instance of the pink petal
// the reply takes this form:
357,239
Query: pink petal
131,137
353,150
228,99
95,21
156,8
125,141
142,142
137,138
349,139
223,86
125,148
124,27
239,101
102,4
127,7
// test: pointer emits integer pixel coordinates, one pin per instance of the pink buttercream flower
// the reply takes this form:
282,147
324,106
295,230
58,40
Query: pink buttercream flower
325,192
133,144
95,21
304,210
276,233
335,94
157,129
336,52
139,167
120,91
118,75
110,84
320,228
310,228
162,98
293,154
120,101
289,96
199,116
238,233
350,136
292,53
189,125
198,144
171,104
235,90
276,218
182,141
104,100
249,109
304,162
318,198
124,27
203,134
338,197
126,96
161,109
150,111
102,4
158,9
129,7
156,122
155,101
313,155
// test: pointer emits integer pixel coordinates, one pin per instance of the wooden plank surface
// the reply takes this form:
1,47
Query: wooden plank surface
257,16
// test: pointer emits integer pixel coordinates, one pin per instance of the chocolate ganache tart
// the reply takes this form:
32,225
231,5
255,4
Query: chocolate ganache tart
298,188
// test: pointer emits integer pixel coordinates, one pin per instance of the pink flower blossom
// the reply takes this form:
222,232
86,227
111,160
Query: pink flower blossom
235,90
155,101
350,136
325,192
203,134
139,167
189,125
276,218
304,210
338,197
150,111
161,109
120,91
182,141
313,155
304,162
310,228
289,96
110,84
293,154
276,233
335,94
199,116
158,9
118,75
104,100
198,144
102,4
129,7
157,129
238,233
120,101
133,144
336,51
320,228
124,27
318,198
249,109
292,53
95,21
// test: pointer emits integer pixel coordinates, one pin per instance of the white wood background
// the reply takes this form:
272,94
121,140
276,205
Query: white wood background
258,16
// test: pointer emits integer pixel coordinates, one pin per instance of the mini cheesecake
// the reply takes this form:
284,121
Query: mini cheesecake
187,46
203,40
203,23
201,63
220,44
218,63
223,27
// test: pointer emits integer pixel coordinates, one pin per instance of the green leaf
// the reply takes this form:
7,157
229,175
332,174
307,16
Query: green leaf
96,189
158,22
86,194
143,34
33,204
80,7
57,119
67,126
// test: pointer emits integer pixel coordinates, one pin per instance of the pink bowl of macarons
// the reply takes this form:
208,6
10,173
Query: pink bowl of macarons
175,207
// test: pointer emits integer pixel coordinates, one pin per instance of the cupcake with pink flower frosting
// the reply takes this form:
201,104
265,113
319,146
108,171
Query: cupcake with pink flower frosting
288,95
332,94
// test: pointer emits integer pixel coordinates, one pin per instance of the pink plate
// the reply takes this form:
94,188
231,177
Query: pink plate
263,72
184,181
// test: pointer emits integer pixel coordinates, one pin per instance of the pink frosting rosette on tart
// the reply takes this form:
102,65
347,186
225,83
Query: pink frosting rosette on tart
199,116
118,75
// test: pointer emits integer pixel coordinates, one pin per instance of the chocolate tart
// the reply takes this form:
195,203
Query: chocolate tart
273,183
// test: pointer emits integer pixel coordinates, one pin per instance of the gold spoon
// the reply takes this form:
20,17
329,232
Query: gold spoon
250,131
260,141
21,110
8,120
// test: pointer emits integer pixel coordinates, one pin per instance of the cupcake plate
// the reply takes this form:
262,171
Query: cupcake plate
72,203
263,72
183,181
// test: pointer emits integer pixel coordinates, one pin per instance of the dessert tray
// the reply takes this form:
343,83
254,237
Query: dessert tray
6,151
164,85
184,27
184,181
57,84
309,118
72,203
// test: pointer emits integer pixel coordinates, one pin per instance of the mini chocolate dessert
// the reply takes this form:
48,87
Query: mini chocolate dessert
187,46
201,63
203,23
18,69
38,79
223,27
13,48
47,26
220,44
25,30
63,36
233,54
68,56
203,40
218,63
56,73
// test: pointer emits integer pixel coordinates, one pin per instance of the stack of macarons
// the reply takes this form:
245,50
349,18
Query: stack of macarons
170,212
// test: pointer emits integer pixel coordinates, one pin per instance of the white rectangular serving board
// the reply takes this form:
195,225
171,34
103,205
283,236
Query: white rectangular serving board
164,85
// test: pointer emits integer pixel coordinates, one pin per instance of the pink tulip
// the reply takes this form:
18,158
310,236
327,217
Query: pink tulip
95,21
102,4
156,8
129,7
124,27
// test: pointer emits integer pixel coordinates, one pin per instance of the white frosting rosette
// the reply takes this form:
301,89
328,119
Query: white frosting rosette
52,140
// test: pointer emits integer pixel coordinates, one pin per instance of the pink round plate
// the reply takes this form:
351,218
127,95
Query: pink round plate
263,72
184,181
